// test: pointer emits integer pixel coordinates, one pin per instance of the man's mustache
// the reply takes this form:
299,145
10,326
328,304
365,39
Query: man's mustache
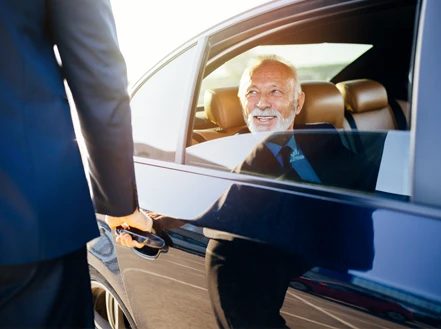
267,112
282,124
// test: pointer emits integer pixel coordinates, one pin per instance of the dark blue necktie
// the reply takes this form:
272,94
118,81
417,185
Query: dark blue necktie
286,152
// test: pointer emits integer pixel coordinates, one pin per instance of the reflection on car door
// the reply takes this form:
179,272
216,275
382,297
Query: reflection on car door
173,287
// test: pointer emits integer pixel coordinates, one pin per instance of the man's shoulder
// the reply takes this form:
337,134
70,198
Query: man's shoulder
254,159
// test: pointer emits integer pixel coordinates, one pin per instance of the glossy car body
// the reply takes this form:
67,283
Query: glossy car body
364,299
180,176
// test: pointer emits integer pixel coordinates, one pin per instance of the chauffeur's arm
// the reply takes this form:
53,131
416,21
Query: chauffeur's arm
85,34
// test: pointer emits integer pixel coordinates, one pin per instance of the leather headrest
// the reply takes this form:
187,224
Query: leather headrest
363,95
323,103
222,106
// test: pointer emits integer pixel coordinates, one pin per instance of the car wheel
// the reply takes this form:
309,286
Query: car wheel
299,286
396,316
109,311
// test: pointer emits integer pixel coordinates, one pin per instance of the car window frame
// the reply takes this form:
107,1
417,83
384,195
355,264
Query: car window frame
352,197
426,178
206,59
135,88
191,102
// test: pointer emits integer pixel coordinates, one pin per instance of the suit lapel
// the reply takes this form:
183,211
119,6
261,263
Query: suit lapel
332,162
261,162
269,166
273,165
318,150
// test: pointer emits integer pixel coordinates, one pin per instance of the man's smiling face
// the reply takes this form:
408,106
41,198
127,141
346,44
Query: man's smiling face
269,99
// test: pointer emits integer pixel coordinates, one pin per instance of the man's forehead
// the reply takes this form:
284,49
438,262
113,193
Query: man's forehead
272,66
272,72
269,78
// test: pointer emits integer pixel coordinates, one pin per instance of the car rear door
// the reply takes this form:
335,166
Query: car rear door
171,291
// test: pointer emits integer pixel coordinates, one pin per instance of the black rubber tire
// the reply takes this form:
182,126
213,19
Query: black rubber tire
100,287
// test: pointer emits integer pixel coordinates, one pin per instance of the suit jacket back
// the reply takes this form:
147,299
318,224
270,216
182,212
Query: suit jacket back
45,205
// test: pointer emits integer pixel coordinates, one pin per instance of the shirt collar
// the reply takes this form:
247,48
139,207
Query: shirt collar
275,148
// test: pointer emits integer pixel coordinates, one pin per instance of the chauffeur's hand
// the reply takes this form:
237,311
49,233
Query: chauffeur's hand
139,219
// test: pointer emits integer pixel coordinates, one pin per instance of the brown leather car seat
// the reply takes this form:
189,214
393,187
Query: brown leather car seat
323,103
367,102
223,108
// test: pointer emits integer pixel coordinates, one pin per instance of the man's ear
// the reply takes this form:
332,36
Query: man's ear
300,102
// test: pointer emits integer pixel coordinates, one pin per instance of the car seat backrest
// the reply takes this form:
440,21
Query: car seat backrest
222,106
323,103
367,102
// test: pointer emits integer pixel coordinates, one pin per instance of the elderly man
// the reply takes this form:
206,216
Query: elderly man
271,97
270,94
247,280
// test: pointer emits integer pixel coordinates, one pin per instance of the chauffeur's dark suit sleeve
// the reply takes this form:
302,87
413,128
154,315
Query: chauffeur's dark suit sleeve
84,32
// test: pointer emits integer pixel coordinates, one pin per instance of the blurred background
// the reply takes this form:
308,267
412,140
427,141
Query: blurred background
149,30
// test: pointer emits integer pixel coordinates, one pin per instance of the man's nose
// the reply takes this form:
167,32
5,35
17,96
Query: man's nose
264,102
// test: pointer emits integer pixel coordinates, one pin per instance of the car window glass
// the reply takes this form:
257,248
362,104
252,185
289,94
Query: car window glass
383,168
158,107
353,131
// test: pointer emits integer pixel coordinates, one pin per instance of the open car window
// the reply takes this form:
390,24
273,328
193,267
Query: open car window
381,169
365,149
321,61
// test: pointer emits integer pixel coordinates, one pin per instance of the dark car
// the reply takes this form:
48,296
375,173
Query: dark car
370,71
349,294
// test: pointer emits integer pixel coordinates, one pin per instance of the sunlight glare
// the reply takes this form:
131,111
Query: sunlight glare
148,31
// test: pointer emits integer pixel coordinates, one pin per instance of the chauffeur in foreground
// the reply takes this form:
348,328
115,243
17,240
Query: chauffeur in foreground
46,212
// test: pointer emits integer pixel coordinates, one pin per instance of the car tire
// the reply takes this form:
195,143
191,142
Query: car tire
110,312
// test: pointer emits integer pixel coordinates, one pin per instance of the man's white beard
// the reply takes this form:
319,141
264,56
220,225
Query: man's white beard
282,124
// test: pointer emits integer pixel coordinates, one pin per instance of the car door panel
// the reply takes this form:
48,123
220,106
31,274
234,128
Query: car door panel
169,292
391,275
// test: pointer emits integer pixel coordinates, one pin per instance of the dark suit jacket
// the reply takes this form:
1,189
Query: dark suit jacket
326,233
45,205
333,163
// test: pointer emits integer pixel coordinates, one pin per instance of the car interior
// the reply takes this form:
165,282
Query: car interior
360,104
374,89
367,99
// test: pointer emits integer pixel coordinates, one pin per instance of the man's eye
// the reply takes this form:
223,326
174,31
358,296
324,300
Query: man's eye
276,91
252,92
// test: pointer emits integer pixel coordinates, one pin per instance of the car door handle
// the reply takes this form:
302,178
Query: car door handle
146,238
155,244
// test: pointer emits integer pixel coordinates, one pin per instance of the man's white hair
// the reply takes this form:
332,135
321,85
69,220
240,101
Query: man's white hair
264,59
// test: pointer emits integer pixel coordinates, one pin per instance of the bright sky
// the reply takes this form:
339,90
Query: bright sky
149,30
